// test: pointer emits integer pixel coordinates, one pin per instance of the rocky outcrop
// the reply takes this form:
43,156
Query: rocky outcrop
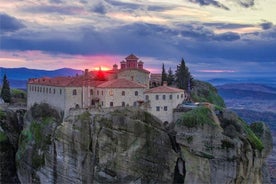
10,128
228,152
123,146
128,145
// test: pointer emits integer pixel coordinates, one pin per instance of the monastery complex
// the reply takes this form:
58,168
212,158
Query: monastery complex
128,85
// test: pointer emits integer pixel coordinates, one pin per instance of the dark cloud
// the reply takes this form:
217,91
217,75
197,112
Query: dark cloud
123,5
99,8
266,25
246,3
228,36
227,25
9,23
200,32
157,8
210,2
56,1
64,10
192,41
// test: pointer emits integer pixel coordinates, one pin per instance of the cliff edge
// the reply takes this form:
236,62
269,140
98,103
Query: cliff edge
127,145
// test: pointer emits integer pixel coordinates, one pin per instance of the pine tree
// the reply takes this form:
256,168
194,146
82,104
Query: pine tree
183,76
5,91
164,75
170,77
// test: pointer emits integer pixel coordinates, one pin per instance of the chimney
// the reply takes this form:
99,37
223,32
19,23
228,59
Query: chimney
165,83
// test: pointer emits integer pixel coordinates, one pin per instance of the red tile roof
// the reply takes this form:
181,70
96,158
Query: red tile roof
121,83
164,89
76,81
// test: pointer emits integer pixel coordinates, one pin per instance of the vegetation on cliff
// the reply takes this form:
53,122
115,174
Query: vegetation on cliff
38,133
197,117
205,92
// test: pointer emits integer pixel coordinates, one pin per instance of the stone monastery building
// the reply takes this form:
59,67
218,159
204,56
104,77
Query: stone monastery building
127,86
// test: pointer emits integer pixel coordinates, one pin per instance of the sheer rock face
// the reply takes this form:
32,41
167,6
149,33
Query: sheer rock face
9,129
222,153
129,145
121,146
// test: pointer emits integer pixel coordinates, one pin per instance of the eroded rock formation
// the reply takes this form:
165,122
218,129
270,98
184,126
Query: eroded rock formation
128,145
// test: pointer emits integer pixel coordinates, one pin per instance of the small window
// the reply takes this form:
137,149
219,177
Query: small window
123,104
43,90
136,93
157,108
91,91
50,90
165,108
164,97
156,97
134,104
54,91
111,104
111,93
132,78
171,97
60,91
40,90
147,97
74,92
46,90
98,92
177,96
102,92
181,95
123,93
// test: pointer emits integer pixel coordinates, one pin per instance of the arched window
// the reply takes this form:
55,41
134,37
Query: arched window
136,93
123,93
111,104
147,97
74,92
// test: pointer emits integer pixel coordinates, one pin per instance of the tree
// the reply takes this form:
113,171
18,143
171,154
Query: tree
183,76
170,77
164,75
5,91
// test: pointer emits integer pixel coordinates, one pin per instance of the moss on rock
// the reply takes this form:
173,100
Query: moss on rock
197,117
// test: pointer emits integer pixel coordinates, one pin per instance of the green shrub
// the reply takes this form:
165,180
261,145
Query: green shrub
253,139
3,137
205,92
17,93
2,114
257,128
196,117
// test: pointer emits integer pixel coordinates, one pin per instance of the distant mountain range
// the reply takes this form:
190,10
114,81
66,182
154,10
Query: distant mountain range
268,81
18,77
247,91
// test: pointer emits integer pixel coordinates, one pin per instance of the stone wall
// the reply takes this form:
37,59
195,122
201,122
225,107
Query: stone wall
163,114
135,75
46,94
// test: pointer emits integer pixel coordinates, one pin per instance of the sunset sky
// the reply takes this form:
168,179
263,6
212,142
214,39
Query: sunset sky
216,38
